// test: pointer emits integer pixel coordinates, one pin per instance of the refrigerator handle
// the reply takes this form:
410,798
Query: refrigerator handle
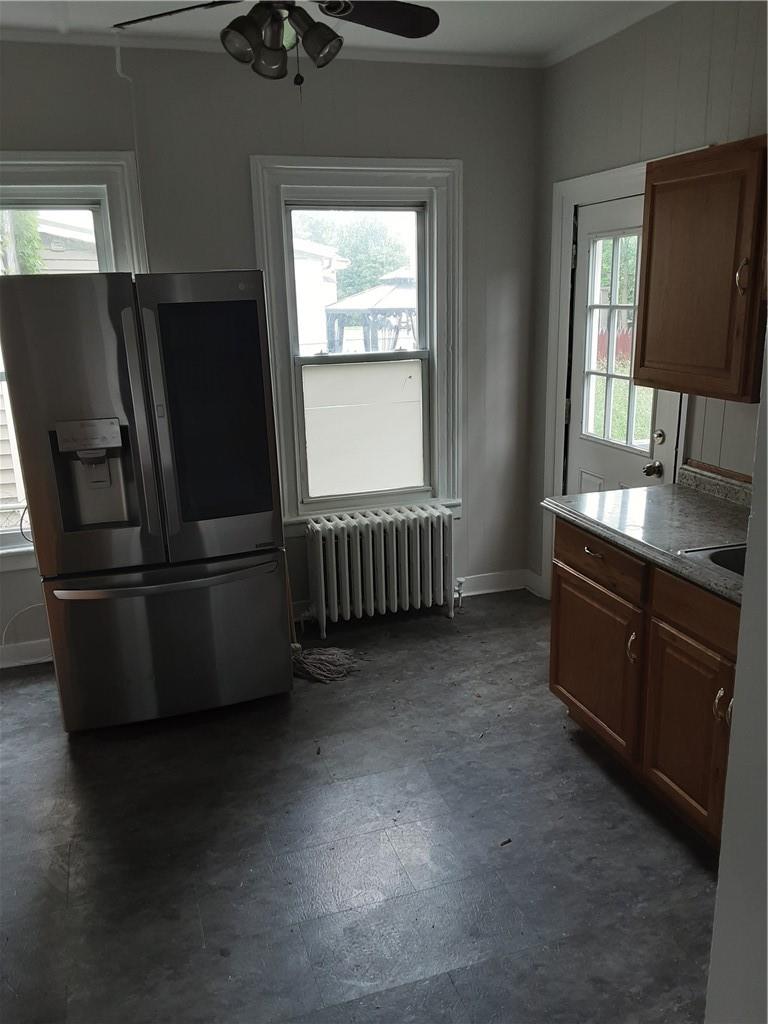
159,404
175,586
149,493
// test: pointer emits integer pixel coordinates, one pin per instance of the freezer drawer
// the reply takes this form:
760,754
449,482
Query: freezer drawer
135,646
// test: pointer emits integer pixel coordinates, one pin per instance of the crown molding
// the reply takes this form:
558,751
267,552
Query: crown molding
609,26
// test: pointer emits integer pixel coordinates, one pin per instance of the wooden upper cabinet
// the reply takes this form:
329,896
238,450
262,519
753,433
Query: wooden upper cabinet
701,315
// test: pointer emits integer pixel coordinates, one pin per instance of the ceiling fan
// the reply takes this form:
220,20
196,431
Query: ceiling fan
263,36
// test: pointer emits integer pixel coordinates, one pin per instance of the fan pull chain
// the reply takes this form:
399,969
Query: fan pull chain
298,78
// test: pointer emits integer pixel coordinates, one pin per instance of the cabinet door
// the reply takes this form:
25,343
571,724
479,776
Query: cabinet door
686,734
595,660
701,315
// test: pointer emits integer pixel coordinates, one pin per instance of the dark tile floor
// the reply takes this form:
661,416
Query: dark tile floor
428,841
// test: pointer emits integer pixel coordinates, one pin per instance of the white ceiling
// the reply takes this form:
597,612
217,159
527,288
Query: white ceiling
516,33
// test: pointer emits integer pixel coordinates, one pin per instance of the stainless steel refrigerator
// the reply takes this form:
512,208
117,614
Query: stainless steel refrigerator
144,420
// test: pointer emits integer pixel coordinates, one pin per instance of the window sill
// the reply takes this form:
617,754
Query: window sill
296,526
17,558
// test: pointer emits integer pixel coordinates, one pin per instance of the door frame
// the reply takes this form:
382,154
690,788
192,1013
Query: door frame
567,195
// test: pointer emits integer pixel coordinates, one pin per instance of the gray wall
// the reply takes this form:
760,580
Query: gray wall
198,118
691,75
736,990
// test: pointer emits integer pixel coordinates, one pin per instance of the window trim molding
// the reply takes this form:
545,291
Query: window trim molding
82,173
280,181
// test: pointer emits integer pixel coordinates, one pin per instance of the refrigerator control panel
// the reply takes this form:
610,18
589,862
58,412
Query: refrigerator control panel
82,435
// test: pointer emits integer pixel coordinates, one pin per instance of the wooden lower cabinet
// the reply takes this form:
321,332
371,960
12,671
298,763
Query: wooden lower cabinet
685,749
595,660
653,680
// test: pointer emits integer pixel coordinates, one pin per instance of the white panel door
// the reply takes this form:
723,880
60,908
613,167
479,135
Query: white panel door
618,433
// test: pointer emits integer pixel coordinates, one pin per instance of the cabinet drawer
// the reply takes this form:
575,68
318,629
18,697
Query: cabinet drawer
601,561
710,619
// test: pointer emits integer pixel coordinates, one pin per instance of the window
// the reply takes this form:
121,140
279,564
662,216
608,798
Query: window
54,220
363,360
615,409
363,267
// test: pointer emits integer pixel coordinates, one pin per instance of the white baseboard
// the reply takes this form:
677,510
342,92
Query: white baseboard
29,653
510,579
538,584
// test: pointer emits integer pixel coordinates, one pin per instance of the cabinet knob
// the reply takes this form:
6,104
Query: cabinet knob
741,288
588,551
716,712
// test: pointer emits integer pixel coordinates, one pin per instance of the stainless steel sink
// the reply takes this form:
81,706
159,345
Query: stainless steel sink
730,557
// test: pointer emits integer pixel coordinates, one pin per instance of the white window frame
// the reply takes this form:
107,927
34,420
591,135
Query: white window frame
105,182
434,186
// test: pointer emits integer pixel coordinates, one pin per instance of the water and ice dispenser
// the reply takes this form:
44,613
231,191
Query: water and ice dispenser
93,471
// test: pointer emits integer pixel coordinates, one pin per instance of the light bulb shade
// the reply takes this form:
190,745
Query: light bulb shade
242,38
271,58
271,63
321,43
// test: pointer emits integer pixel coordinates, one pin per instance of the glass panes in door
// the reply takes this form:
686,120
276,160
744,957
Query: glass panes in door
615,409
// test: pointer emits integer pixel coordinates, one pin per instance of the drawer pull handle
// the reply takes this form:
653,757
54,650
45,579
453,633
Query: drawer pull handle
741,288
632,637
716,712
729,713
588,551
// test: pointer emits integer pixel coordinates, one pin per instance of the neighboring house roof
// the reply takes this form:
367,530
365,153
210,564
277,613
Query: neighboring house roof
395,292
303,247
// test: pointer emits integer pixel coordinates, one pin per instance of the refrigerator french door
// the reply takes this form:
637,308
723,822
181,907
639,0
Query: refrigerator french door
76,383
146,434
212,412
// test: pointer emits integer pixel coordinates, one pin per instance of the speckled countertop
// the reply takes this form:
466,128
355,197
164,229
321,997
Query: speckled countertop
656,523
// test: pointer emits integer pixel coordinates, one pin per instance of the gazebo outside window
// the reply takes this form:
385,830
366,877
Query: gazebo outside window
386,313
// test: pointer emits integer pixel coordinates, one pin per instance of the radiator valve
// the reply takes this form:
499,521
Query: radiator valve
458,592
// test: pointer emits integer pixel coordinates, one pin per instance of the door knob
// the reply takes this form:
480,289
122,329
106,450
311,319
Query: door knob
654,468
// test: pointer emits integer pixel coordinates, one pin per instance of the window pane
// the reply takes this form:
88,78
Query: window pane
356,278
597,340
48,242
602,264
641,428
627,269
363,426
11,487
594,406
623,328
619,410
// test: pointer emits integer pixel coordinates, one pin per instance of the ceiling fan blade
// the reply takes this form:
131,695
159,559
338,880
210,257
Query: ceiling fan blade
178,10
400,19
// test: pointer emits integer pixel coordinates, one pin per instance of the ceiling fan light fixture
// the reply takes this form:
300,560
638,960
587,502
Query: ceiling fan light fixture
271,57
320,41
242,38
